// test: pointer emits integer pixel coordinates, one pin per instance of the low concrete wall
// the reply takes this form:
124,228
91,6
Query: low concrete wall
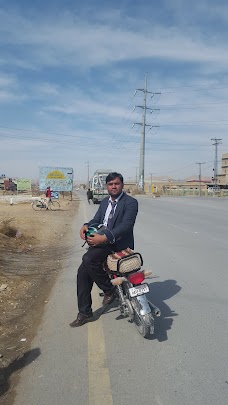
17,199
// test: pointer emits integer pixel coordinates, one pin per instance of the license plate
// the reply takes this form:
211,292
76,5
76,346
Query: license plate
139,290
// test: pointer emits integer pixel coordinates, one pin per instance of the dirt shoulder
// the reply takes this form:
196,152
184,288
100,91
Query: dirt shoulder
33,247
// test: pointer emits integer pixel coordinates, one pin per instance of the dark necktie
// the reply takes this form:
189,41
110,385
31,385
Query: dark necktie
111,215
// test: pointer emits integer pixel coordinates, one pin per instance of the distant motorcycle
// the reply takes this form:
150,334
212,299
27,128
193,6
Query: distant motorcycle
40,204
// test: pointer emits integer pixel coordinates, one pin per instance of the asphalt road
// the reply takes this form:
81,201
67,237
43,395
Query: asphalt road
185,242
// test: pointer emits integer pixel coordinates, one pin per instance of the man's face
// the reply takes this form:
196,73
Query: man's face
115,187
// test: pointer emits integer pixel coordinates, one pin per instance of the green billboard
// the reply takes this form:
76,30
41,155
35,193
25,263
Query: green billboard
23,185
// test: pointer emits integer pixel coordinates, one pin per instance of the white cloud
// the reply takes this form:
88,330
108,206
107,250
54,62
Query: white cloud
6,80
72,42
9,89
9,96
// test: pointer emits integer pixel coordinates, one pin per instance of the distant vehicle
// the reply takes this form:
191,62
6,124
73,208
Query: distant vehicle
213,189
98,185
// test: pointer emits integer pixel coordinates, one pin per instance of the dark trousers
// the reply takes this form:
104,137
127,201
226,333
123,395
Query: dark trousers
90,271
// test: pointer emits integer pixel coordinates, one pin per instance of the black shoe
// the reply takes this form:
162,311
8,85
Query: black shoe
108,297
81,320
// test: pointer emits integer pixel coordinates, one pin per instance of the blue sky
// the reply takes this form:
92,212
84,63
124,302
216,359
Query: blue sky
69,71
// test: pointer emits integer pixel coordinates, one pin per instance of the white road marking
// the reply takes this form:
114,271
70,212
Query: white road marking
182,228
99,380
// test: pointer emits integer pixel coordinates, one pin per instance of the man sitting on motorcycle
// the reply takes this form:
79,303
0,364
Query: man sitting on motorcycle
118,213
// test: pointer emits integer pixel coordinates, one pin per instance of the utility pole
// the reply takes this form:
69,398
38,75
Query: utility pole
87,174
144,125
200,163
216,143
151,182
136,175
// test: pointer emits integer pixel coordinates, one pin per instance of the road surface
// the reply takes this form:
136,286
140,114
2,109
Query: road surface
184,241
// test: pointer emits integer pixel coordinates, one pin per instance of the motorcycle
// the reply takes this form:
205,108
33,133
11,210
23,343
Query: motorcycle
124,269
131,291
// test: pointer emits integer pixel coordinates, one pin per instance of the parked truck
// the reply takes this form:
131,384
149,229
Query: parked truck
98,185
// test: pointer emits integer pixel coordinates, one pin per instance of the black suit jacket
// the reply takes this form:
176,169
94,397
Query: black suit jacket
121,236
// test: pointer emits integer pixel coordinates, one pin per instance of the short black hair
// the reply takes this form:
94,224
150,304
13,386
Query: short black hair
114,175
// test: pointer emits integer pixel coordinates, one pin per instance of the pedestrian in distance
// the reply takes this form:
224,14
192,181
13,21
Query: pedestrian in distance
117,213
48,196
89,194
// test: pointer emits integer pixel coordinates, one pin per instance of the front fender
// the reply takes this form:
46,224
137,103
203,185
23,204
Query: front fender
143,304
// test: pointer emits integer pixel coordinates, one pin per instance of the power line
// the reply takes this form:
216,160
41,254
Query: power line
192,87
192,107
128,143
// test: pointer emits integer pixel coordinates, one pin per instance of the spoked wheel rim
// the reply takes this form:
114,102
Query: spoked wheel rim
35,206
143,323
139,323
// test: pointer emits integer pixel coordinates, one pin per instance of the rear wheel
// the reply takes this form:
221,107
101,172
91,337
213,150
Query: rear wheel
54,206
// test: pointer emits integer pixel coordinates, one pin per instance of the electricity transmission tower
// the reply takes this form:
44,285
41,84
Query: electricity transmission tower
200,163
215,178
143,134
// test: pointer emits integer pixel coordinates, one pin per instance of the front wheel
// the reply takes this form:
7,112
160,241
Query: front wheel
54,206
143,323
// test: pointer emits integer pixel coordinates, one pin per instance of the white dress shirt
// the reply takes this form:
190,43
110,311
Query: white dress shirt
109,208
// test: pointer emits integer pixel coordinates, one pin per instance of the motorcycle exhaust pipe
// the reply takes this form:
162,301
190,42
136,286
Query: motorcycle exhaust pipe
155,310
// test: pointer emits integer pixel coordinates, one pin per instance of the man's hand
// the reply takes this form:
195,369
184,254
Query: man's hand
96,239
83,229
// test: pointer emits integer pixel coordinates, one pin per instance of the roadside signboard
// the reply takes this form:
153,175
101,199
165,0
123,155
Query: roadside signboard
55,194
58,178
23,185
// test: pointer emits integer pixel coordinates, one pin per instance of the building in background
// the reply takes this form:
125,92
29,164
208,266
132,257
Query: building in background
223,177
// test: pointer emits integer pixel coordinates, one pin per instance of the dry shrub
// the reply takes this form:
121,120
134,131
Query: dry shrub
7,229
